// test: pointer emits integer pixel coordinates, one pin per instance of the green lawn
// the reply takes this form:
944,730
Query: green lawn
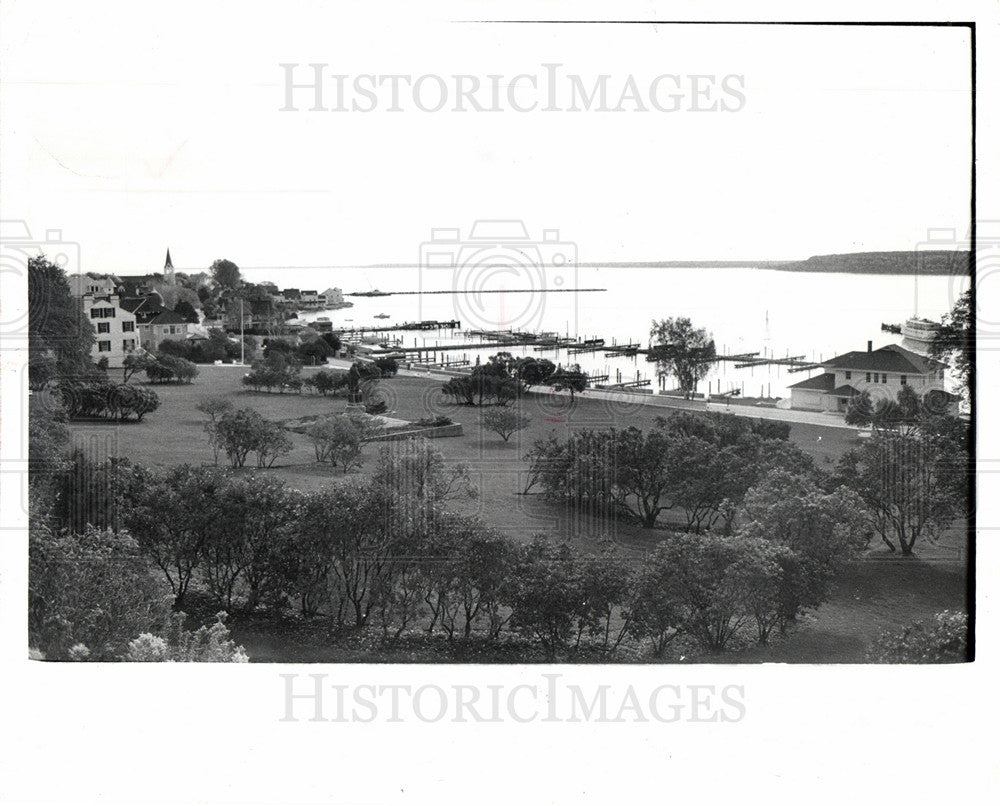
881,593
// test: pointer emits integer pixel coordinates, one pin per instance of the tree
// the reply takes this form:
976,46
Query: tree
226,274
694,581
956,340
138,361
173,516
913,484
57,326
682,350
531,371
505,422
571,378
243,431
187,310
546,594
337,440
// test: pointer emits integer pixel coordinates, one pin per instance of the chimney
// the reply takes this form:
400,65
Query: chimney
869,346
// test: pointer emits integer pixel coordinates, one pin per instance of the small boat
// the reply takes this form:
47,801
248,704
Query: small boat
382,316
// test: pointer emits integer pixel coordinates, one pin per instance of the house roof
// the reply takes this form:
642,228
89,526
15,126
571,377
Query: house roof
844,391
821,383
167,317
891,358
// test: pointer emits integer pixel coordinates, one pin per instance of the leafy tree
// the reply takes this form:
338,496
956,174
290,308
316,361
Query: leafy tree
413,482
226,274
243,431
505,422
530,371
956,340
465,573
138,361
337,440
173,515
187,310
682,350
387,366
315,351
333,341
913,484
571,378
57,326
546,594
700,587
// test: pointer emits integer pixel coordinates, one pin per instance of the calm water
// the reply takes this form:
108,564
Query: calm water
746,310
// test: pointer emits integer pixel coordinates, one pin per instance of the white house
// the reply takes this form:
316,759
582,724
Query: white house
80,284
116,328
881,373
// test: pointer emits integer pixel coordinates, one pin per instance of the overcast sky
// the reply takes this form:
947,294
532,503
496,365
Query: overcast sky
139,127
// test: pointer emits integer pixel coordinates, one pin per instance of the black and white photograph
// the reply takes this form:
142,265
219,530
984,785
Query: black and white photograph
489,374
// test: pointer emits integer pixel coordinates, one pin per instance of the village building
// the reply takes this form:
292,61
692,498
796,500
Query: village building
115,328
881,373
332,296
155,322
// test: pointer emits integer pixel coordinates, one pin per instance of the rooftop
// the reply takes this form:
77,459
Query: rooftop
821,383
891,358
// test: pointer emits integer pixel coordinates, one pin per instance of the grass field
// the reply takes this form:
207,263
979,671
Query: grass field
882,592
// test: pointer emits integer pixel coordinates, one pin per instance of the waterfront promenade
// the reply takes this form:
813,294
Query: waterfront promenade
822,419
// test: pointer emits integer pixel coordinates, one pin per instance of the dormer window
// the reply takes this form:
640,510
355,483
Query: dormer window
847,375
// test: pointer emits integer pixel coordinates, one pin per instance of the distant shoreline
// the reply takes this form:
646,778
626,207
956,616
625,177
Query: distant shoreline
482,291
923,263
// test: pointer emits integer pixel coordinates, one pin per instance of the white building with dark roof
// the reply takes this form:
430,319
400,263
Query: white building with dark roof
881,373
117,332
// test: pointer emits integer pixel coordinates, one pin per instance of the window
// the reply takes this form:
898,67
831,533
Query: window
885,378
902,380
128,345
128,327
96,313
103,327
109,312
104,346
847,375
868,377
173,330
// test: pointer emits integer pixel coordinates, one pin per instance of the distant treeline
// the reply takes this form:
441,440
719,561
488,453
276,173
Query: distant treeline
939,261
931,262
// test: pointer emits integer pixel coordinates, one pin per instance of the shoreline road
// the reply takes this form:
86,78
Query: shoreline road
816,418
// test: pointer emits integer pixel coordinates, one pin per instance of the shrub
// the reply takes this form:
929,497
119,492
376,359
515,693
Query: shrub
205,645
944,639
94,589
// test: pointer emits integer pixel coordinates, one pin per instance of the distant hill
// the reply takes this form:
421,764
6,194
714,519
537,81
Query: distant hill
931,262
939,261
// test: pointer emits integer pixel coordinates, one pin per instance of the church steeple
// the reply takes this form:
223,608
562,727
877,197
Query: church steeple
168,269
